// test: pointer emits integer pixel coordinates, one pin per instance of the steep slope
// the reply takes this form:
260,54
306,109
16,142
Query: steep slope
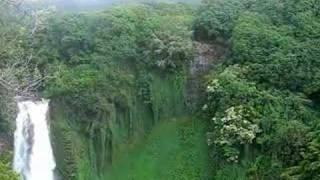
207,56
117,74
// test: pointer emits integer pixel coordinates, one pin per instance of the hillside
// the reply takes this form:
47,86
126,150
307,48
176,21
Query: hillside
222,89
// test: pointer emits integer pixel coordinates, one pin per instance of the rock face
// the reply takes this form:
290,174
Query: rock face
205,59
86,143
5,143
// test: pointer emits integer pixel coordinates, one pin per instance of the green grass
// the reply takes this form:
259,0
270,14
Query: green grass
174,150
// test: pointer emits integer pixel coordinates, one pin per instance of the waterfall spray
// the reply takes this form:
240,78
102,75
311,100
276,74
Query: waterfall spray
33,157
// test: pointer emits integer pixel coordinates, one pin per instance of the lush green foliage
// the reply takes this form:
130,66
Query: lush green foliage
177,153
215,18
263,103
12,53
17,71
6,173
113,75
118,72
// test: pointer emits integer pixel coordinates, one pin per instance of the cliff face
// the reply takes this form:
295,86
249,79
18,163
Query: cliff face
205,58
86,151
5,144
8,113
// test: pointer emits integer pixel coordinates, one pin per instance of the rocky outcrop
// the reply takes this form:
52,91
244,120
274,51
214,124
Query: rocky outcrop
5,144
205,58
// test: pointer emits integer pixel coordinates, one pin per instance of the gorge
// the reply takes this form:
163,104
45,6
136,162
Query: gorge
158,90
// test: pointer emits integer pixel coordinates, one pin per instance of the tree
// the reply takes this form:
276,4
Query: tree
6,173
272,73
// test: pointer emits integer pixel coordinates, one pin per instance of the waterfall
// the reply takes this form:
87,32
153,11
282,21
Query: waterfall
33,157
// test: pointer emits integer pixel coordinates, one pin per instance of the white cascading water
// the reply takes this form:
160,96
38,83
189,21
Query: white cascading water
33,156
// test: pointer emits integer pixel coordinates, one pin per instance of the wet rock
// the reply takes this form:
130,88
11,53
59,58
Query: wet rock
206,57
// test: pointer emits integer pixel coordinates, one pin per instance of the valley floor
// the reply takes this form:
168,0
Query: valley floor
174,150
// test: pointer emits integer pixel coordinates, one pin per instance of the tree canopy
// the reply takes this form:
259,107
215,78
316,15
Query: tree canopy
263,102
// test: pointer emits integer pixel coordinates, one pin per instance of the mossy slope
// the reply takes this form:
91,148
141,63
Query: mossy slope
175,149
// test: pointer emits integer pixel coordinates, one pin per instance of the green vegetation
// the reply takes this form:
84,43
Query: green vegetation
116,73
263,102
117,83
6,173
173,150
12,53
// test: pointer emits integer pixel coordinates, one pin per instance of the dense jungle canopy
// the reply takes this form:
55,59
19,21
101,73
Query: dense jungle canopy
222,89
